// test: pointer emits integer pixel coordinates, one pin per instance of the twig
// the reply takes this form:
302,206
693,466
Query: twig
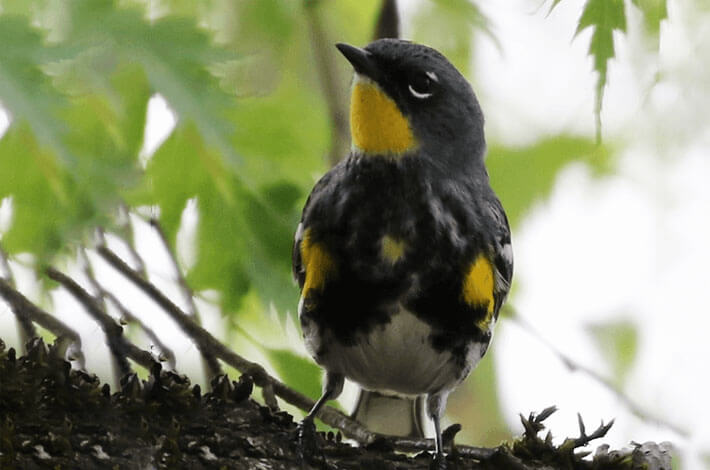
324,54
185,289
118,345
387,21
573,366
165,351
130,234
261,378
211,363
26,309
120,366
585,438
5,266
267,392
180,317
26,329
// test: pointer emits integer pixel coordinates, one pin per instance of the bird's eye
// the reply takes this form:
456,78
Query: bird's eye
421,85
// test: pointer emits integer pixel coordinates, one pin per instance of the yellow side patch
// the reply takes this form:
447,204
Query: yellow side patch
376,123
392,249
317,261
478,288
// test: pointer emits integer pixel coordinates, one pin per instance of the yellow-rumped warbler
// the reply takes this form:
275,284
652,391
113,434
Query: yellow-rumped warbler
403,252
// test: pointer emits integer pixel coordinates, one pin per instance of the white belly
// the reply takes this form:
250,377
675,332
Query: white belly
397,357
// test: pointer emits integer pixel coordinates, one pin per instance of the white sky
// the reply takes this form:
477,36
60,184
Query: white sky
631,246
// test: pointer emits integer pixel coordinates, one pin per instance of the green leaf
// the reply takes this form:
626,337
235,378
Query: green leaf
272,145
24,90
523,176
554,4
618,343
18,7
71,149
184,168
106,133
45,204
654,11
175,54
604,17
298,372
243,239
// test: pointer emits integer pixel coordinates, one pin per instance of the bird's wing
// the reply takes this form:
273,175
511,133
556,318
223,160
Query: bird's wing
298,263
299,274
502,252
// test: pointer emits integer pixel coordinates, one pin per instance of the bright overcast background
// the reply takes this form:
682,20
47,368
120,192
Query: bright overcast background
631,247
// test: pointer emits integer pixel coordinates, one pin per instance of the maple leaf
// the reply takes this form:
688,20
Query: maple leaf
604,17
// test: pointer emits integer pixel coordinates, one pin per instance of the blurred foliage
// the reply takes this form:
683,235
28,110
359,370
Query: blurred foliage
460,19
245,80
618,343
525,175
604,17
654,11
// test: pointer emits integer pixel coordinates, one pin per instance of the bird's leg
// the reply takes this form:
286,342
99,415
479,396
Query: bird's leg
332,387
436,404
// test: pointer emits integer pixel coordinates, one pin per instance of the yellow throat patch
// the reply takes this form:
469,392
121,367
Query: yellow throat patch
478,288
377,125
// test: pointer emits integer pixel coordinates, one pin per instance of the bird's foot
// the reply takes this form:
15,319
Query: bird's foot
438,462
308,450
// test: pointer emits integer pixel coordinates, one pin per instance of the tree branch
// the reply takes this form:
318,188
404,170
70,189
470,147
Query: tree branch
574,366
26,328
180,317
205,341
118,345
165,351
130,236
323,52
23,308
387,21
211,364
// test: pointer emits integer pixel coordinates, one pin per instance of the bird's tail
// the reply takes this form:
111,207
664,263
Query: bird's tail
392,415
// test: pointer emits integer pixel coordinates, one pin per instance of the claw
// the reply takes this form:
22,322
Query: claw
438,462
309,451
307,439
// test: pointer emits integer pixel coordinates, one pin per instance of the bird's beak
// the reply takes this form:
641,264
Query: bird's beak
360,59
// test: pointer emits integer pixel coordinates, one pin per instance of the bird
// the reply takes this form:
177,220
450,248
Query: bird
403,252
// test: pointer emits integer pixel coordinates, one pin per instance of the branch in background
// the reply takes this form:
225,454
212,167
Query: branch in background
118,345
184,288
573,366
120,366
130,235
180,317
206,342
23,308
5,266
387,21
26,328
211,364
165,351
324,54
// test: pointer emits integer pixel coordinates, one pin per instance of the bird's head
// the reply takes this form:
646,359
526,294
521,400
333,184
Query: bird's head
409,99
